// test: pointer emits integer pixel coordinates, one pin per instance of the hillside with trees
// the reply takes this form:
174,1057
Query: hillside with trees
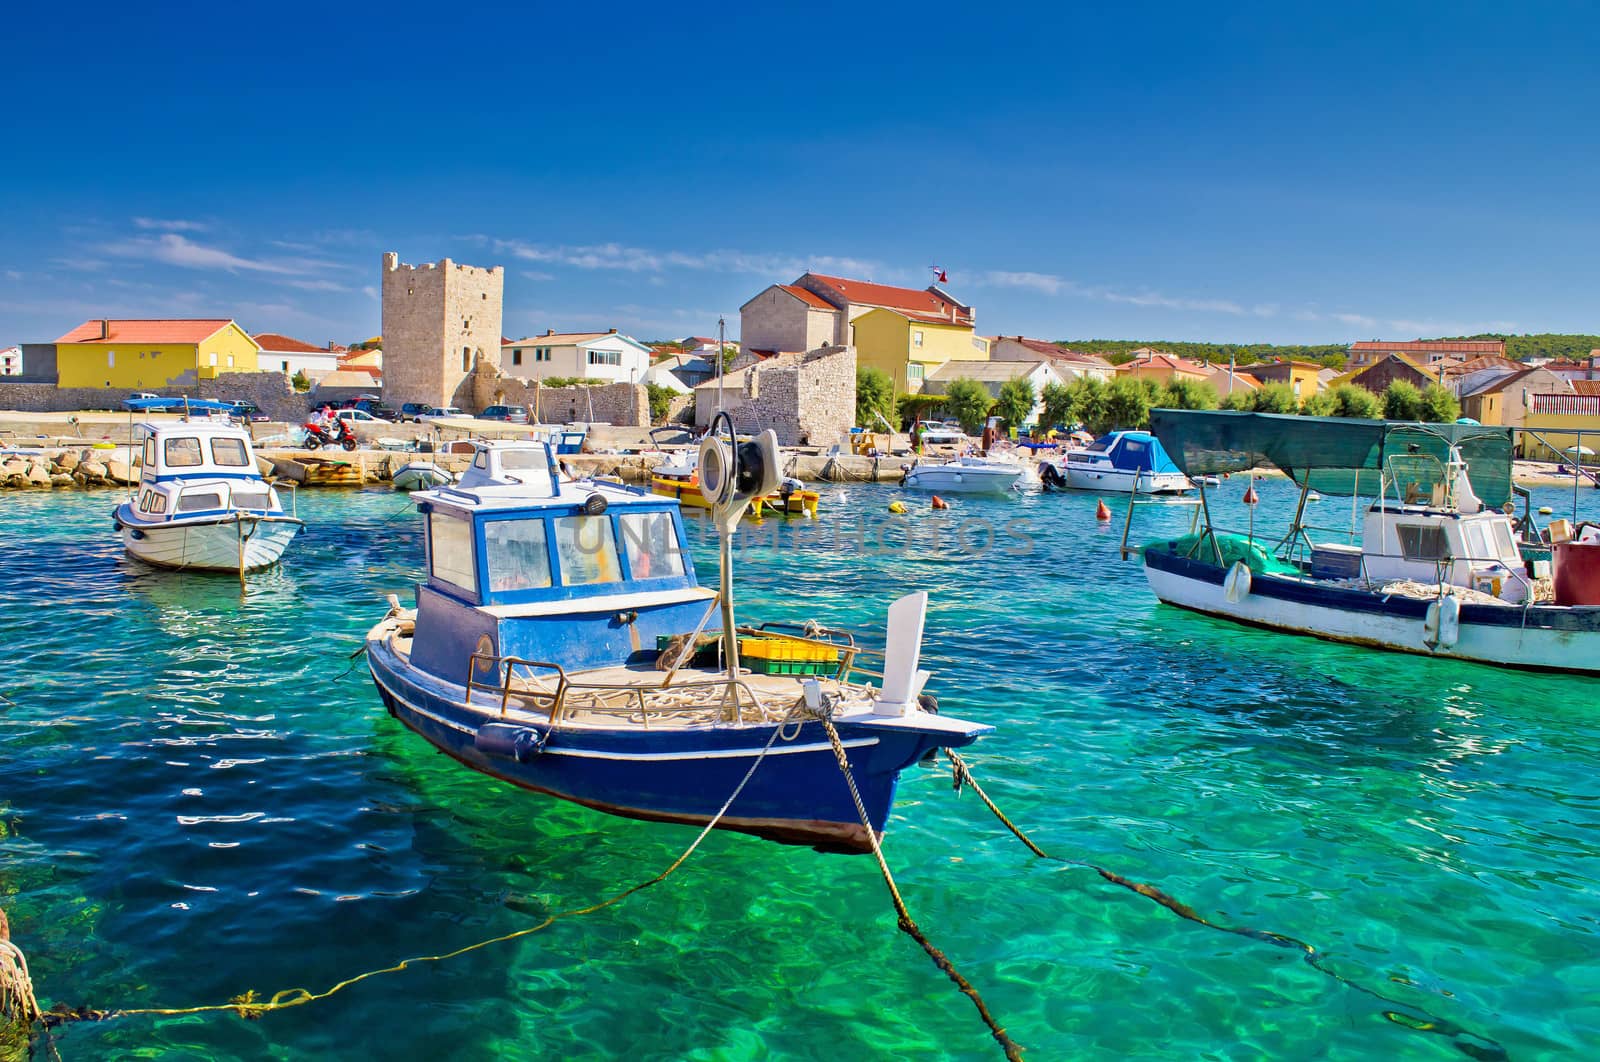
1521,348
1543,345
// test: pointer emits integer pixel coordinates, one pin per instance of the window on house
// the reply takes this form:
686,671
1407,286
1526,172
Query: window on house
230,361
213,359
914,371
285,366
111,359
516,357
916,338
605,357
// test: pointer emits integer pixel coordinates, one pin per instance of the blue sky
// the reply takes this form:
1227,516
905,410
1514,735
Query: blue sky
1243,172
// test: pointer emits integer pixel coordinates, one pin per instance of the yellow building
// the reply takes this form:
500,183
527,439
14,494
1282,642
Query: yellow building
1161,367
1555,423
909,346
1303,377
152,353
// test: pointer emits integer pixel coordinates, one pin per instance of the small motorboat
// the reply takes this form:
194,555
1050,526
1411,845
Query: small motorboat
964,475
201,502
561,642
420,475
679,477
1127,462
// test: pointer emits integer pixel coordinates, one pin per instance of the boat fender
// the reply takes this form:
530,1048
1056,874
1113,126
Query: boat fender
1102,512
518,743
1441,627
1236,586
940,503
136,534
116,524
897,507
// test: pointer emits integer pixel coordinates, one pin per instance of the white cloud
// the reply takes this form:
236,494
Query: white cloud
370,291
172,225
1360,320
624,258
173,249
1431,329
1050,284
316,285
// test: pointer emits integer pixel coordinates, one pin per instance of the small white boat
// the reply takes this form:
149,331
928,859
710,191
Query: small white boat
1127,462
201,502
420,475
964,475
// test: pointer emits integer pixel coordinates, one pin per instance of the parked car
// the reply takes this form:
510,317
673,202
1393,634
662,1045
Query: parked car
435,414
356,416
137,396
509,414
374,407
413,410
244,409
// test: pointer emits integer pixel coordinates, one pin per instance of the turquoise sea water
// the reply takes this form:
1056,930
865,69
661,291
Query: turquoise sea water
201,794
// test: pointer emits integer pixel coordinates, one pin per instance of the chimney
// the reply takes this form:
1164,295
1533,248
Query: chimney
549,331
105,329
611,331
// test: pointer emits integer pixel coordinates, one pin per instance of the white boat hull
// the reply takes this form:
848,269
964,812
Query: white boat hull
229,545
1118,481
962,479
1508,644
420,475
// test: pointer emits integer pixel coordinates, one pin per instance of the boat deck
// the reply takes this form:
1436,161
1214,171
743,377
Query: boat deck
642,695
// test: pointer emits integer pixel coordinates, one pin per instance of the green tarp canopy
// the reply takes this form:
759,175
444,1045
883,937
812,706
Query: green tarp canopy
1333,455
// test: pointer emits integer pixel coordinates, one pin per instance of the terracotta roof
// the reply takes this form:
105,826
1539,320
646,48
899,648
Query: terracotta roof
909,301
558,339
1586,387
277,341
1499,383
1176,364
810,298
1488,361
986,370
1054,350
162,330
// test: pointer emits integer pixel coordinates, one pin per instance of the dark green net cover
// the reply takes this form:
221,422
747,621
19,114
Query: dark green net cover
1333,455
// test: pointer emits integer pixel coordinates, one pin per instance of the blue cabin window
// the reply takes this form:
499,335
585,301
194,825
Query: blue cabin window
517,555
587,550
450,550
651,542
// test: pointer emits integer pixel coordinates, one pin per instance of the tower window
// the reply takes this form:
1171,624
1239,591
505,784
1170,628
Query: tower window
466,359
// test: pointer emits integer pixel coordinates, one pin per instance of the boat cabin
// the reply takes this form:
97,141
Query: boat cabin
525,563
196,467
1125,451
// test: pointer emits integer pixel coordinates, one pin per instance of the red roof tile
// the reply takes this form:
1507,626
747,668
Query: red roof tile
165,330
909,301
810,298
1451,346
1586,387
279,341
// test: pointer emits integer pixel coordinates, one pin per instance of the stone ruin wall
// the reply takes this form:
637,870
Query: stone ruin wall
270,391
808,400
625,405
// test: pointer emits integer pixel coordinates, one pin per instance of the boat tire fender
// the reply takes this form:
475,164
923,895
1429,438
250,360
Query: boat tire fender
518,743
1236,586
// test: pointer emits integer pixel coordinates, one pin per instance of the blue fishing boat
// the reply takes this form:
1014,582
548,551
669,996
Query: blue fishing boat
201,503
561,642
1125,462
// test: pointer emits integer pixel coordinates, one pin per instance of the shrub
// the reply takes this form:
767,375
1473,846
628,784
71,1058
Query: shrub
874,397
968,401
1015,403
1402,401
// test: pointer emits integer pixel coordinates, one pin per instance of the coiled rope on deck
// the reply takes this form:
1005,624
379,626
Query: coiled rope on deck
1472,1044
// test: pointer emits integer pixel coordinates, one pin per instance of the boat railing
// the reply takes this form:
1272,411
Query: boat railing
727,698
1134,500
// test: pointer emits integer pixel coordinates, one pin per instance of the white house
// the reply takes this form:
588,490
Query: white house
582,355
280,353
1068,364
995,374
11,361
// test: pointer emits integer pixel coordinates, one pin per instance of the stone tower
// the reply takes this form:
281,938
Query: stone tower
439,321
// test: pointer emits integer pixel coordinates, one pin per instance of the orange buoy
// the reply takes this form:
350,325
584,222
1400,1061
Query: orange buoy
940,503
1250,495
1101,512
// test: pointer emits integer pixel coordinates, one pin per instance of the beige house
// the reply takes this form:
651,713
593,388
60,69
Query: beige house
993,375
1068,364
1507,399
604,355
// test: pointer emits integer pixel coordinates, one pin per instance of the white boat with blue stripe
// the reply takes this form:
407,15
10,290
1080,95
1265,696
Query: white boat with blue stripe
561,642
201,503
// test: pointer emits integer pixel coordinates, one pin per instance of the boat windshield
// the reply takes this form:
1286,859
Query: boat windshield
229,452
183,452
1099,446
518,460
651,542
517,556
587,550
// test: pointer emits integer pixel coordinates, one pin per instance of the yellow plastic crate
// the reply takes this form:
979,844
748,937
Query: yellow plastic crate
786,649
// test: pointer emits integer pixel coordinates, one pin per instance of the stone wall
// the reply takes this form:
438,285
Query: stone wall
625,405
778,321
439,323
809,399
270,391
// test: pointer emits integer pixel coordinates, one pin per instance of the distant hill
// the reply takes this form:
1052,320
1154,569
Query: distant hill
1541,345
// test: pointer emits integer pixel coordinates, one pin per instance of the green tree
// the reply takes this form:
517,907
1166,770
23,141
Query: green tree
1275,398
910,408
300,381
1321,404
1188,394
874,398
660,401
1126,404
1089,402
1356,401
1439,405
1402,401
1057,399
1240,401
1015,403
968,401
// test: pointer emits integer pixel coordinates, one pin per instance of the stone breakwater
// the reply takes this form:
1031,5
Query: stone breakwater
88,466
70,467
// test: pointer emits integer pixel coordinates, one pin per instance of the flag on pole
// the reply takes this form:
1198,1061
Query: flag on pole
940,276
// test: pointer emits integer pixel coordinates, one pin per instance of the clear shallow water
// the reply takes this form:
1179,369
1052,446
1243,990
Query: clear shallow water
199,795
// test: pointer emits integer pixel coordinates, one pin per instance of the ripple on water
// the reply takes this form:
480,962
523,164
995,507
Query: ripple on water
199,796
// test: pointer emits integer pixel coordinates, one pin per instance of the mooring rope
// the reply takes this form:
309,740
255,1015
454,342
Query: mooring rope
249,1005
907,924
1462,1039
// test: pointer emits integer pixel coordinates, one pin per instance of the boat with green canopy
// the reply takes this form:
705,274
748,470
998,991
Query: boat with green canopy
1434,568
